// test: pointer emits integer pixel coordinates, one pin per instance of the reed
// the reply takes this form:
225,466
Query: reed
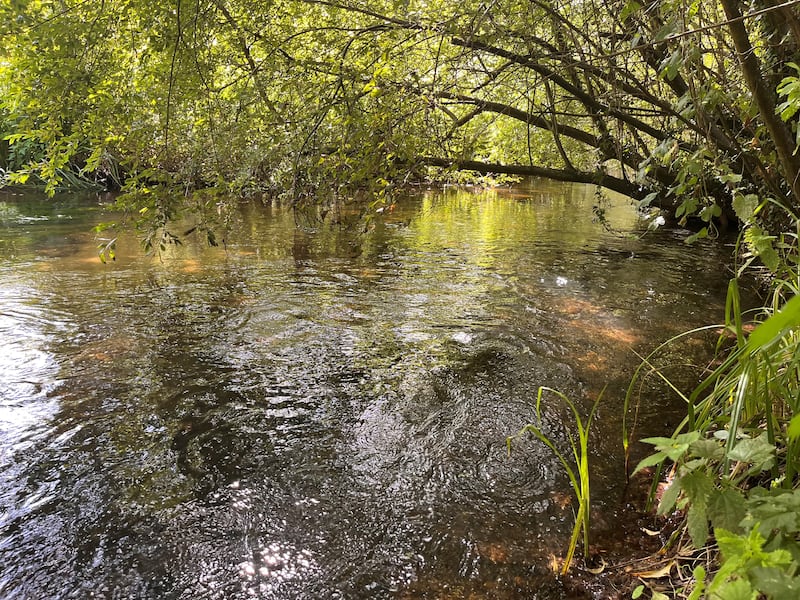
578,473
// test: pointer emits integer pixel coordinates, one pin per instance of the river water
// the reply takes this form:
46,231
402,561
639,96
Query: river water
319,407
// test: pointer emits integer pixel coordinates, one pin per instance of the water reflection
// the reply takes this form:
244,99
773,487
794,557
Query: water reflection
314,411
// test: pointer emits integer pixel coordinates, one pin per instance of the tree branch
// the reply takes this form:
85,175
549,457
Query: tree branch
781,137
600,178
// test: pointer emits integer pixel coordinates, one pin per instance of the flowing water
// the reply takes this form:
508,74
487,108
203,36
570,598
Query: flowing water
319,409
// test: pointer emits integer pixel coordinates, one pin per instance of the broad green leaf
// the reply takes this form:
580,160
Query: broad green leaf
775,582
674,448
756,451
666,30
773,511
726,509
788,317
738,589
698,486
709,212
710,449
760,244
744,205
736,547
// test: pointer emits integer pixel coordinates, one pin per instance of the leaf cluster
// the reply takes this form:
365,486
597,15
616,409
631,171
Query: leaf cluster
736,455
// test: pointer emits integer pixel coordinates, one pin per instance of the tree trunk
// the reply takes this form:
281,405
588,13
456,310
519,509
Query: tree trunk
765,99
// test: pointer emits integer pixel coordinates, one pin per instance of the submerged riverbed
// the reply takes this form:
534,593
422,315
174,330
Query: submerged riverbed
319,408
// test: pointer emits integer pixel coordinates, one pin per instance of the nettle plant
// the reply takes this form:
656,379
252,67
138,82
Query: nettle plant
735,457
756,529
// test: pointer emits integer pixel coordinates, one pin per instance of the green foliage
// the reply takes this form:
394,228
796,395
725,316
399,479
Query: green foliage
741,430
577,471
305,99
790,89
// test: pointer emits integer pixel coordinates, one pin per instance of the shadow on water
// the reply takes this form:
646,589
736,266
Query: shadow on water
319,412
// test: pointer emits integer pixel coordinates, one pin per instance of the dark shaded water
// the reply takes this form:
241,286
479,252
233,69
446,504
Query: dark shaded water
318,412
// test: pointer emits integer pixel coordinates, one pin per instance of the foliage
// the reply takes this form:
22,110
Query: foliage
742,431
671,102
579,475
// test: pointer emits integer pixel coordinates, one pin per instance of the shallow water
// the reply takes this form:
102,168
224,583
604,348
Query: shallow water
319,409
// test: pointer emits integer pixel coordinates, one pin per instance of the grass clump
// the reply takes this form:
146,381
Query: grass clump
577,469
735,457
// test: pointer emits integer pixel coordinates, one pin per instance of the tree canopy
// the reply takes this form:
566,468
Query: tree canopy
678,103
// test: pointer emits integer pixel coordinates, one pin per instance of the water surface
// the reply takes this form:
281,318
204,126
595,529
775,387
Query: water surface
319,408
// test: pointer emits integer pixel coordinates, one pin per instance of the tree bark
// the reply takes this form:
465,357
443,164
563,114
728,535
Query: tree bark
615,184
765,99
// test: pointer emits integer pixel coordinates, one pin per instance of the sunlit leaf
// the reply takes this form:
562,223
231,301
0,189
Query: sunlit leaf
744,205
793,431
787,318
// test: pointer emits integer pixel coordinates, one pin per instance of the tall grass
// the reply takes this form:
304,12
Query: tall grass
578,473
755,387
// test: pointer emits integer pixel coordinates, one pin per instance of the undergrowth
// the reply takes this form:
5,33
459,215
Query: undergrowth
733,460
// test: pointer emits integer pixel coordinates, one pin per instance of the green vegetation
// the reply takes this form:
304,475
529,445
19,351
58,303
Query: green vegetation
670,102
735,457
579,475
687,106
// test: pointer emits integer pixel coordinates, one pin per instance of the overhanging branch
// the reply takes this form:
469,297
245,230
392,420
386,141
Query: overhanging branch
605,180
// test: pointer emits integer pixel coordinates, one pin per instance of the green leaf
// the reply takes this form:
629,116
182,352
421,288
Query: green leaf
698,486
699,574
761,246
637,592
672,64
738,548
726,509
649,461
773,511
630,7
670,497
756,451
666,30
738,589
697,524
687,207
793,431
730,178
787,318
709,212
674,448
703,233
775,582
710,449
645,202
744,205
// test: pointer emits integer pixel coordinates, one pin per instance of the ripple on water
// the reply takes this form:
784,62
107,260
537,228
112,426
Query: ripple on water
292,418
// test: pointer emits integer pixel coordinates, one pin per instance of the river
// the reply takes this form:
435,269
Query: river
319,407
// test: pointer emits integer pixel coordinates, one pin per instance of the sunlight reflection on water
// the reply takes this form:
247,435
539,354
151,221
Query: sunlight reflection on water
315,412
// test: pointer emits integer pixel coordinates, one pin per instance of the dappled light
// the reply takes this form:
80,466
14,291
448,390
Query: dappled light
320,411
